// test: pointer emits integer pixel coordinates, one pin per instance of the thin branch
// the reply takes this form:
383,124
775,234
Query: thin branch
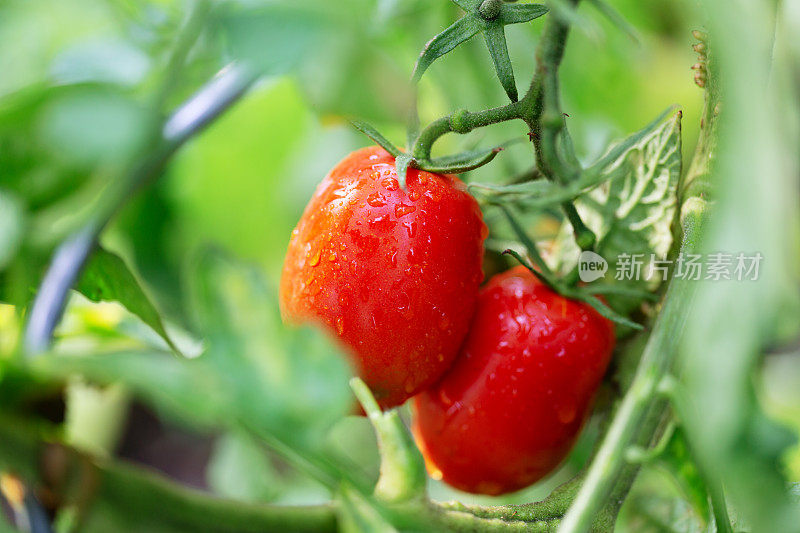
636,415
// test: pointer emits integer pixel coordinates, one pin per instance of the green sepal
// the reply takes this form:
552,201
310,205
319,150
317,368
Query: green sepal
494,33
376,136
455,34
517,13
401,163
462,162
495,36
578,293
599,306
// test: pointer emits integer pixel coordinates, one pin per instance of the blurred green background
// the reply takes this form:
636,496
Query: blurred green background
78,93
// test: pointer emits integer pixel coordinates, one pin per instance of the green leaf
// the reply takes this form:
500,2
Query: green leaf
517,13
107,278
376,136
632,212
185,389
496,41
677,460
293,383
617,151
285,385
461,30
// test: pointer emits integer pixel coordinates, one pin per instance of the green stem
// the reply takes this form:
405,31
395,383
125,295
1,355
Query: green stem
402,477
462,122
542,112
637,414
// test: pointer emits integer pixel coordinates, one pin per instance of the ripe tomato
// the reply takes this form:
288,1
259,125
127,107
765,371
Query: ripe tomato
394,273
509,410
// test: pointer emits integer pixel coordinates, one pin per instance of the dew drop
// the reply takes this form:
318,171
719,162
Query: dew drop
332,257
401,210
390,184
433,195
314,259
376,200
340,325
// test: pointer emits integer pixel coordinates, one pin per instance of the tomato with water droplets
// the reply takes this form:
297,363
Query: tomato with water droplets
509,410
381,266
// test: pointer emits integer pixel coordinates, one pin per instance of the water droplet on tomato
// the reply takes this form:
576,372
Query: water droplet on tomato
390,184
411,228
314,261
433,195
401,210
376,200
312,287
332,257
413,195
340,325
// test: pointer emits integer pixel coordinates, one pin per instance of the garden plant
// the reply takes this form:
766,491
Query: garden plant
399,265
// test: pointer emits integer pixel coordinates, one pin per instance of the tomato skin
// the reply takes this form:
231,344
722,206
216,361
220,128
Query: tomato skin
511,407
393,273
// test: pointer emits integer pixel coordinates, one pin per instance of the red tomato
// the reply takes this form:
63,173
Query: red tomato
394,273
509,410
